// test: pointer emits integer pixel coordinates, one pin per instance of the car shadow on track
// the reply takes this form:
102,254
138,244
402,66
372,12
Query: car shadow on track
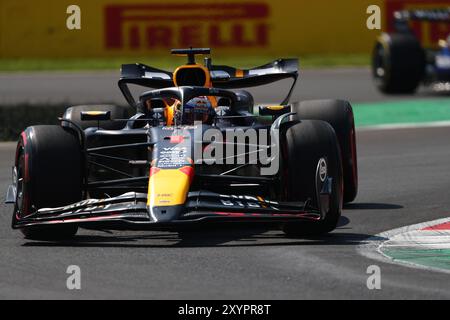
216,237
372,206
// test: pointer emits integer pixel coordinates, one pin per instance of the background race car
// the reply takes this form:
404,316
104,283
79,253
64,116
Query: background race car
401,62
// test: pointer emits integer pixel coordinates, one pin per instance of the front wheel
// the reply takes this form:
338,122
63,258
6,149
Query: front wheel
49,168
339,114
308,145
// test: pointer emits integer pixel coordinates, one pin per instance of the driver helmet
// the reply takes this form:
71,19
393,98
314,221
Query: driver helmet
198,109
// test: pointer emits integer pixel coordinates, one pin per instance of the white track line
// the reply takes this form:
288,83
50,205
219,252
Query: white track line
395,126
371,248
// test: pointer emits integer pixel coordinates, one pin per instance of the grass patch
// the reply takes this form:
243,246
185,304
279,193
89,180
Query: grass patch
114,63
408,111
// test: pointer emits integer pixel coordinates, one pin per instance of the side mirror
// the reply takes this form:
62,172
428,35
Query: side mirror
95,115
274,110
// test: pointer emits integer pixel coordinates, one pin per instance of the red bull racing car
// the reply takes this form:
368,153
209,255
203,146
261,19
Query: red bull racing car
194,152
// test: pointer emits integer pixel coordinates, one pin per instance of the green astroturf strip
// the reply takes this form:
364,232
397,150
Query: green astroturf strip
414,111
436,258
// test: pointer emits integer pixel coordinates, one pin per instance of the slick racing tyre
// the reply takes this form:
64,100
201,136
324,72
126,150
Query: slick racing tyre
339,114
308,144
117,112
49,174
398,63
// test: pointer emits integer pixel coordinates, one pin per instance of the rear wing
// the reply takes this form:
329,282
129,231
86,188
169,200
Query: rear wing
429,15
401,19
222,77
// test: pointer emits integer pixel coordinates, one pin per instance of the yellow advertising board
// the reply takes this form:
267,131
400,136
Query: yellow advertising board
142,27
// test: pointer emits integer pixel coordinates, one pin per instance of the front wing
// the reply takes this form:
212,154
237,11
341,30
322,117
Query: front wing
130,212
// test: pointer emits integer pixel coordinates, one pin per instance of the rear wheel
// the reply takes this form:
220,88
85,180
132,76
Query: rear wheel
339,114
398,63
307,144
49,174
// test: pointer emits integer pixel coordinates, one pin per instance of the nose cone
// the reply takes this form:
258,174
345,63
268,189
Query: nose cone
166,214
167,193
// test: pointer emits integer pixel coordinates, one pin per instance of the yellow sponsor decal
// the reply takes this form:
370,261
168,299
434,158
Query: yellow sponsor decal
168,187
275,108
94,113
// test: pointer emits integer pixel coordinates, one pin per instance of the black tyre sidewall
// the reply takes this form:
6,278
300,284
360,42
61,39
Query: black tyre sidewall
403,61
53,160
306,143
339,114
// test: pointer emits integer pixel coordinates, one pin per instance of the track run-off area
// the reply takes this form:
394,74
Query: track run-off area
399,221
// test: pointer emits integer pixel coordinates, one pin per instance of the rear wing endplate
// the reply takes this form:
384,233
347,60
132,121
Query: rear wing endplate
222,77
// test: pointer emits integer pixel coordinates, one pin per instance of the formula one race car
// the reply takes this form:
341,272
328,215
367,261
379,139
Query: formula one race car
193,153
400,62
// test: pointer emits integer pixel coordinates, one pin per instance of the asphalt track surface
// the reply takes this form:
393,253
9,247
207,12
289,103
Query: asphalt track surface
404,179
